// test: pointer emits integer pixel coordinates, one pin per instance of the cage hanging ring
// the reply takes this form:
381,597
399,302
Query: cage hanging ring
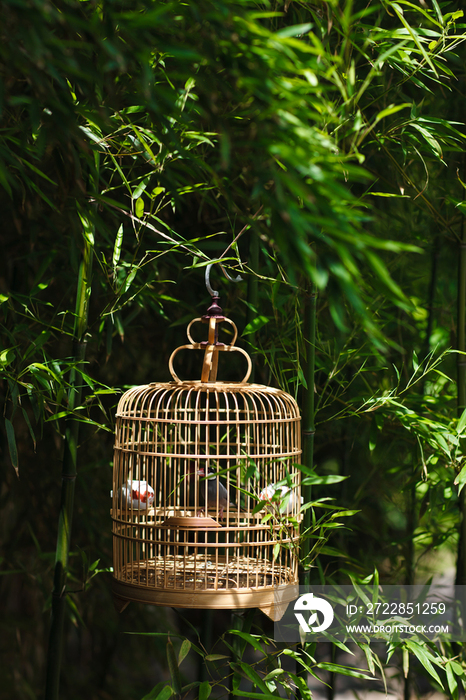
214,348
228,320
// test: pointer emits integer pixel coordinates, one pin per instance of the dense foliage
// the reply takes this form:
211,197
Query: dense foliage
310,146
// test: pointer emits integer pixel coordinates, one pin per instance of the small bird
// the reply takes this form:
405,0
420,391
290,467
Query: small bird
215,491
137,495
275,493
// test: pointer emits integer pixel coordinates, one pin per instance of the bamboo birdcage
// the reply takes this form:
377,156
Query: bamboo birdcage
206,494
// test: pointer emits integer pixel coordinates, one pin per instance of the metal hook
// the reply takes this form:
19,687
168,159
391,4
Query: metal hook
211,291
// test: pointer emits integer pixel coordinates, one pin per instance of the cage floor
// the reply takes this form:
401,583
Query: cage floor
197,573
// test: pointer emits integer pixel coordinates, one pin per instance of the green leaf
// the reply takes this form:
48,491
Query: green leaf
438,12
254,696
7,356
370,661
274,674
255,324
425,658
457,668
460,479
10,433
117,246
141,187
451,680
433,143
392,109
161,691
250,639
174,668
39,366
139,207
127,284
405,662
453,16
249,672
389,194
461,423
184,650
37,171
414,36
325,479
204,690
295,30
344,670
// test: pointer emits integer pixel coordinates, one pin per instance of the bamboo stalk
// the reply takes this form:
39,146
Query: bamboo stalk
206,639
241,621
431,292
69,471
253,288
308,433
308,421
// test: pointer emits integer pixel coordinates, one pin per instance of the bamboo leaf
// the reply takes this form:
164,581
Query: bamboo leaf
433,143
414,36
141,187
117,246
161,691
139,207
37,171
250,673
174,668
7,356
392,109
438,12
128,281
451,680
216,657
254,696
344,670
255,324
204,690
295,30
405,662
10,433
425,659
460,479
250,639
184,650
274,674
461,423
